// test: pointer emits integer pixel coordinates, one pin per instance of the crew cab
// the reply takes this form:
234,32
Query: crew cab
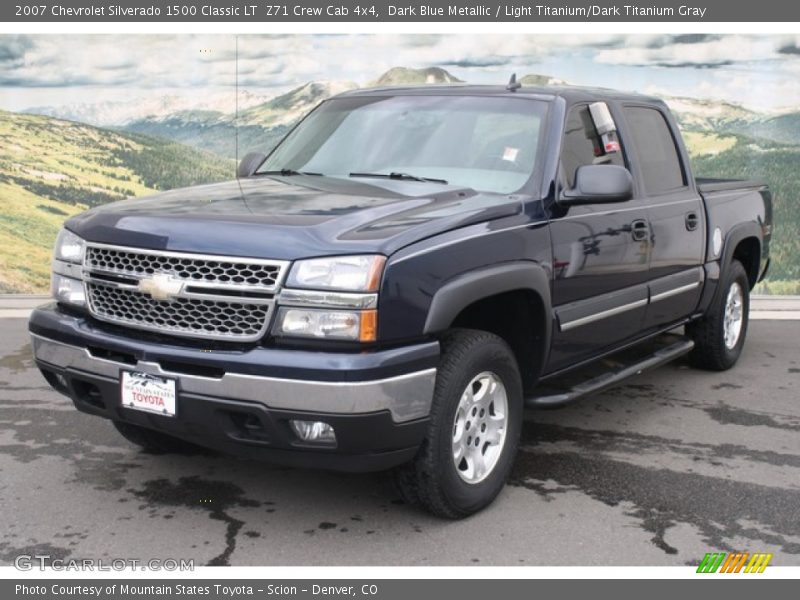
400,277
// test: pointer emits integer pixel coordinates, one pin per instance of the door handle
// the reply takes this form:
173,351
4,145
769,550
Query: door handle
639,230
692,221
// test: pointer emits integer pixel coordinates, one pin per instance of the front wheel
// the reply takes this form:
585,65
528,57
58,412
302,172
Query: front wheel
474,428
719,335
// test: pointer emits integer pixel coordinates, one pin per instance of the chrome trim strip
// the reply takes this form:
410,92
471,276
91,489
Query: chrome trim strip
602,315
313,298
88,278
225,298
674,291
66,269
408,396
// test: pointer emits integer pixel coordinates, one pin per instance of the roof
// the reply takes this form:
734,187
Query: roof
569,93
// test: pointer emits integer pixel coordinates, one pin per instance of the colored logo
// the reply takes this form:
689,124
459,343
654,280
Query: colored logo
735,562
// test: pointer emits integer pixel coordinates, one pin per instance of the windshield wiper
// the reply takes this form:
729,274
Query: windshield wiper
287,172
405,176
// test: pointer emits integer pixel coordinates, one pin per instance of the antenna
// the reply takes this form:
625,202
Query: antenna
236,99
513,84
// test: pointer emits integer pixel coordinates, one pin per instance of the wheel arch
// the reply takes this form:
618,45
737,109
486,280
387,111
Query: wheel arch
743,243
511,300
748,252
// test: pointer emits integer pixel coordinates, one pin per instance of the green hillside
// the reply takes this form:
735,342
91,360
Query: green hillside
52,169
210,131
782,128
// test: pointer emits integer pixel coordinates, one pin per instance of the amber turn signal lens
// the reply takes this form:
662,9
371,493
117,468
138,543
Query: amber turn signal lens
368,331
375,272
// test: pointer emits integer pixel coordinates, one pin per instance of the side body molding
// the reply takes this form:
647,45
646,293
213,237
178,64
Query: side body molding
458,293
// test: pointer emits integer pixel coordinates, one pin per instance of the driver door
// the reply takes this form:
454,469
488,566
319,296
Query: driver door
601,256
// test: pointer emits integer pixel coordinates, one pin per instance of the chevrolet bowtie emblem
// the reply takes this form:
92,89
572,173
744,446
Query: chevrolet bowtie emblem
160,286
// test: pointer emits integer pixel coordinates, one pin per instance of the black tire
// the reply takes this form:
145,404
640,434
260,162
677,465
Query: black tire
155,441
710,350
432,480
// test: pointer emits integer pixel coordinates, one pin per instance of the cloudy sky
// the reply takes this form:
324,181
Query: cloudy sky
761,72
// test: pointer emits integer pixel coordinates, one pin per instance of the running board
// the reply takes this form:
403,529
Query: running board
617,372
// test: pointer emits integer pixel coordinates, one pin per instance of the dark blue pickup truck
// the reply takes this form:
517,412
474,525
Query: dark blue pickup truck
404,273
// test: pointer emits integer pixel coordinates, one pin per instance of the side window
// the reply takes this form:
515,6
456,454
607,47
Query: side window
658,155
583,146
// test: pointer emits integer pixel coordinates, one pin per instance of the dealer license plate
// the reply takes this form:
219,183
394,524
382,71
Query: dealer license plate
142,391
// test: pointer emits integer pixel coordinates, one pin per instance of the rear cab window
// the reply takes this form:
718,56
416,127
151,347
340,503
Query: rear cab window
657,152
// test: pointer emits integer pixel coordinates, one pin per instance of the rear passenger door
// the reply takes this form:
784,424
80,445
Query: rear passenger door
600,256
675,213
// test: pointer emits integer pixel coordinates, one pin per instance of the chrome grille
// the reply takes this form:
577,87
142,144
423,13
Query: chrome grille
182,316
214,270
205,296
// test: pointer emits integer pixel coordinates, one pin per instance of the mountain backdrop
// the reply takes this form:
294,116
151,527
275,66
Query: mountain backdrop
69,157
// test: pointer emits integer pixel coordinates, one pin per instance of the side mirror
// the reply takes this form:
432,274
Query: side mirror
596,184
249,164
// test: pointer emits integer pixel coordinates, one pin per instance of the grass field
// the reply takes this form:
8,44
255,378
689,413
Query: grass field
52,169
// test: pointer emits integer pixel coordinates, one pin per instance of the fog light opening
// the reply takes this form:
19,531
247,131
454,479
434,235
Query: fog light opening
57,381
316,432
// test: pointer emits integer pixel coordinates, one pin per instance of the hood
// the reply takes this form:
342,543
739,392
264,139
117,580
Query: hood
294,217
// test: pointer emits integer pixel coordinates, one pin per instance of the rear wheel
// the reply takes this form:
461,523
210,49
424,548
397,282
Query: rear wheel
155,441
474,428
719,336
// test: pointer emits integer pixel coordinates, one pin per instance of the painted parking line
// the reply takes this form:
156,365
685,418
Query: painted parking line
15,313
775,315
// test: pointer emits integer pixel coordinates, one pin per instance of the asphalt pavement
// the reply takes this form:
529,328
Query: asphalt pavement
674,464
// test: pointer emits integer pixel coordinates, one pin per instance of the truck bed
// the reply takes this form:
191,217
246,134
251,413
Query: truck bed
708,185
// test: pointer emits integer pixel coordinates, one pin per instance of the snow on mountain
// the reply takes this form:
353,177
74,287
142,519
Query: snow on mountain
290,107
119,113
701,114
535,79
407,76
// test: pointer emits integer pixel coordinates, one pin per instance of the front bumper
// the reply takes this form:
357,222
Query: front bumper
241,401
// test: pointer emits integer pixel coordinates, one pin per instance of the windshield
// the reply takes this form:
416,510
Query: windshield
482,142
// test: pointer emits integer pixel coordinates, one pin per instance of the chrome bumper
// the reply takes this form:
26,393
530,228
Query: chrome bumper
407,396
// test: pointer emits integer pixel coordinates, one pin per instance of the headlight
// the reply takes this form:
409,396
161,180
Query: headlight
354,325
346,273
67,290
69,247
